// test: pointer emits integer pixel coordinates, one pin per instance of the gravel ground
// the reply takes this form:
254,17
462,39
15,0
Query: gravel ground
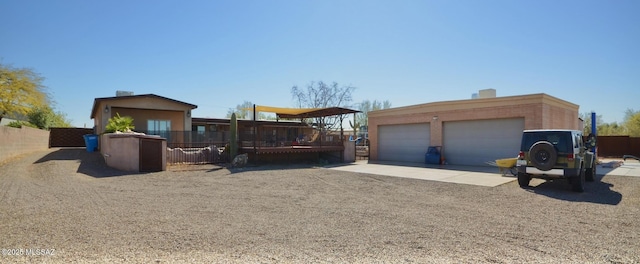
68,202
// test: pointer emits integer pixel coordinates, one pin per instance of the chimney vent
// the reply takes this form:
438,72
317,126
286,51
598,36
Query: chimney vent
123,93
487,93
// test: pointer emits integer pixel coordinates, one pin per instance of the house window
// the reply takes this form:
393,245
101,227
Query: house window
157,127
200,129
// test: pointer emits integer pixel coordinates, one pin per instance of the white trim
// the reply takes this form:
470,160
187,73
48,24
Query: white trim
559,172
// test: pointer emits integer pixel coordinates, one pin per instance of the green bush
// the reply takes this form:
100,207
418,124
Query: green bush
20,124
119,123
44,117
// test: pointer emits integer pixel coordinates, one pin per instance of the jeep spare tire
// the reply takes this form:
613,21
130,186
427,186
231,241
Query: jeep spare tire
543,155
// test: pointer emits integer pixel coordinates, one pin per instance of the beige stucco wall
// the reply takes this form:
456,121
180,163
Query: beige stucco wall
349,151
141,109
17,141
122,151
540,111
141,116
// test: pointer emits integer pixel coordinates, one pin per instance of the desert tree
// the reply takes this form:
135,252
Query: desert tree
44,117
632,122
242,110
367,106
630,126
21,90
245,110
586,118
322,95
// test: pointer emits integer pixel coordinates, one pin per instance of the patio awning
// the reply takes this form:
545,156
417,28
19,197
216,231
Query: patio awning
295,113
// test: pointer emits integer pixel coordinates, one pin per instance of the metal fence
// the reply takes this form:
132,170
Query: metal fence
197,147
194,147
68,136
618,146
362,152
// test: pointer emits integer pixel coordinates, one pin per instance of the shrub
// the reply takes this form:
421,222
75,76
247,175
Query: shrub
20,124
119,123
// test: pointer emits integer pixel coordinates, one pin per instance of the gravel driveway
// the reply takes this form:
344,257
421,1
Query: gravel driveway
65,202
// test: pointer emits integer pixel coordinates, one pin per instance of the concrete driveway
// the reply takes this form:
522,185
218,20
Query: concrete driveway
472,175
630,168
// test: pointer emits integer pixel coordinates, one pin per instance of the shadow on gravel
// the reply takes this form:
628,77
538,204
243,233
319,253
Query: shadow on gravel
271,167
597,192
91,163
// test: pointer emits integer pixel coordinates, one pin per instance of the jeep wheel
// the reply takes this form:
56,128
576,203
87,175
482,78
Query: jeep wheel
590,174
523,179
543,155
577,183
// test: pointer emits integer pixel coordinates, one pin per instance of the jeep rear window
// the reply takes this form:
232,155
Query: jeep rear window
561,140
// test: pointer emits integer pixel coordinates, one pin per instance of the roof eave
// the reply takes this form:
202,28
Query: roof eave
97,101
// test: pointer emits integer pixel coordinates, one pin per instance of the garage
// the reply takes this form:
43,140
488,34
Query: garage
478,141
406,142
470,131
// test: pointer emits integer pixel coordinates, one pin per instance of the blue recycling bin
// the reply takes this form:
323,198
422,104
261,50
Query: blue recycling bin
433,155
91,141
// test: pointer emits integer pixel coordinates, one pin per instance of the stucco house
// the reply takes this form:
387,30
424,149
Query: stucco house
150,112
171,119
470,132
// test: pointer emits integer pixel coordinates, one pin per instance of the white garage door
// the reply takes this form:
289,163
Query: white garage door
478,141
407,142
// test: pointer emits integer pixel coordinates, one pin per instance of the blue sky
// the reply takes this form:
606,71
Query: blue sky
218,54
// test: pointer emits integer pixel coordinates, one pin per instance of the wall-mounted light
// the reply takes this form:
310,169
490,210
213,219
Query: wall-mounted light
435,117
106,109
188,113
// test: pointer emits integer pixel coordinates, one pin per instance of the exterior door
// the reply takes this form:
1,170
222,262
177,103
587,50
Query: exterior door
150,155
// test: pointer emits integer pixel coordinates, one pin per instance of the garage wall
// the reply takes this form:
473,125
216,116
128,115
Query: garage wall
475,142
555,117
538,111
407,142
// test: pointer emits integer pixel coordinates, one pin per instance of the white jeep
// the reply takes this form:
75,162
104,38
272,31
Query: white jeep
556,154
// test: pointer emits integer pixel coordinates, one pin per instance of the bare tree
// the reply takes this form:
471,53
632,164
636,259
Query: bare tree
322,95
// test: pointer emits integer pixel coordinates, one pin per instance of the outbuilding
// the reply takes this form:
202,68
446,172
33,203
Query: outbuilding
469,132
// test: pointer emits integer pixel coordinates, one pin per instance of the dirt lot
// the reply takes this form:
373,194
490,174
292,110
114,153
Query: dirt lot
66,202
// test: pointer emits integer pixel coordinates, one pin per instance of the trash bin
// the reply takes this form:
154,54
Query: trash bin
91,141
433,155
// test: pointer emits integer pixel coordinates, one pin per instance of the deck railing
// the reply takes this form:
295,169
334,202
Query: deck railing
268,140
194,147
